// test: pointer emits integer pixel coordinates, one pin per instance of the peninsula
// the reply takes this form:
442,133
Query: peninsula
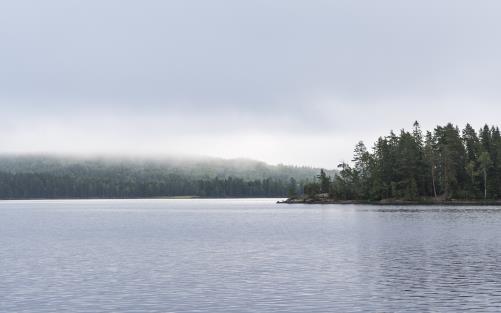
443,166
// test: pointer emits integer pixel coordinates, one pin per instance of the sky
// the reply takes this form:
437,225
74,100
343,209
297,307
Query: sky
282,81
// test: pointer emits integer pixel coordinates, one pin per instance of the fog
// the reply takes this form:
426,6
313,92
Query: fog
296,82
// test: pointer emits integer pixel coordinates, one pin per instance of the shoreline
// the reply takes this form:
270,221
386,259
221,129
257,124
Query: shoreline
390,202
140,198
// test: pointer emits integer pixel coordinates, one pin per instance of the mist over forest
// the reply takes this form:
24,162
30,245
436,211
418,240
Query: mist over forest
46,176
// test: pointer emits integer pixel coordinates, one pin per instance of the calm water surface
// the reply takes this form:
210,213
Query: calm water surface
246,256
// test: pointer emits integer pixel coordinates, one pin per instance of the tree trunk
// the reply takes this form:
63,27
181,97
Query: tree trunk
446,183
433,182
485,184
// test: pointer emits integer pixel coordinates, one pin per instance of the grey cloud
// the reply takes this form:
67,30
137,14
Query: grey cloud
314,68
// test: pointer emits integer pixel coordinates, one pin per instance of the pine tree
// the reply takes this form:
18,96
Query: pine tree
472,148
431,160
292,189
325,181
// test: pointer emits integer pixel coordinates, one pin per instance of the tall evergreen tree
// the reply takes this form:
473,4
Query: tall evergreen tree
325,181
430,155
472,149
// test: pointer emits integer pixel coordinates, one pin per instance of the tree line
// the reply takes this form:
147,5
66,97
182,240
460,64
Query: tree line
34,177
446,163
47,186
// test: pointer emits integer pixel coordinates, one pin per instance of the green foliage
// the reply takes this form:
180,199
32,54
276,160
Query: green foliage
312,189
292,190
29,177
446,163
485,164
325,181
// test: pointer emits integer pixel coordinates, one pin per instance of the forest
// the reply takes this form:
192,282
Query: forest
444,164
48,177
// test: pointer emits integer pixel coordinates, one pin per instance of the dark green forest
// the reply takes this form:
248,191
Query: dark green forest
444,164
32,177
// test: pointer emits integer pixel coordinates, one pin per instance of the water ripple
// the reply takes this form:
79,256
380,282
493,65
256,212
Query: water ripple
247,256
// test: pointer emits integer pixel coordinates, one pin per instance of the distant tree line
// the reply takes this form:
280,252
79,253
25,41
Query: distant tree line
447,163
41,177
43,185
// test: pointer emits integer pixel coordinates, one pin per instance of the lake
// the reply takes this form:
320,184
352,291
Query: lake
246,255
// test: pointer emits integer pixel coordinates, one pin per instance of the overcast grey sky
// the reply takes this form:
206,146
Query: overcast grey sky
296,82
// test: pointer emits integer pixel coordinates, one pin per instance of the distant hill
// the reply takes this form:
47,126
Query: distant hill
31,176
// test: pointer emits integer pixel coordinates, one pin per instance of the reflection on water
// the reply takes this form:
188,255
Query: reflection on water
246,256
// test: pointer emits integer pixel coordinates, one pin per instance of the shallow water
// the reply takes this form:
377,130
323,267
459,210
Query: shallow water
246,256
